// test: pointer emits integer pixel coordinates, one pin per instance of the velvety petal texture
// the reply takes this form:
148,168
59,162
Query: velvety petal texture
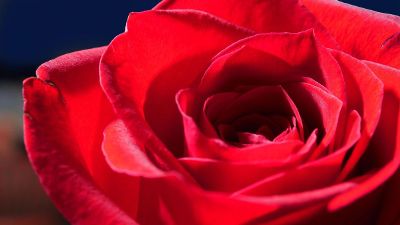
259,16
161,72
362,33
225,112
54,149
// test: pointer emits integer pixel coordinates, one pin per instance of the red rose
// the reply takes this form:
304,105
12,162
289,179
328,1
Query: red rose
225,112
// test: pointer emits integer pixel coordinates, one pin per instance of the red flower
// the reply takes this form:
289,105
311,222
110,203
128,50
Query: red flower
225,112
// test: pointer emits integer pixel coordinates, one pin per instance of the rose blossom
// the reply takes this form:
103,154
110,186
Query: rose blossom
225,112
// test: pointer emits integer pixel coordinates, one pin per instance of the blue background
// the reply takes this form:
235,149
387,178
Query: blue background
34,31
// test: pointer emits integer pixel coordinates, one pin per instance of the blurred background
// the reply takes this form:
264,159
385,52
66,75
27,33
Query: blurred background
32,32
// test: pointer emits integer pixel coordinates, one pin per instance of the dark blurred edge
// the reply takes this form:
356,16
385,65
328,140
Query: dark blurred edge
16,74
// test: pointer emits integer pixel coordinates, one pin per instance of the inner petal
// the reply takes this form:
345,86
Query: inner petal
256,129
258,115
199,143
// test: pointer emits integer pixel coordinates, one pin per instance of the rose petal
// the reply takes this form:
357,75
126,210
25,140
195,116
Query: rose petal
365,93
124,155
189,205
387,157
264,100
198,145
386,137
313,175
226,176
76,75
318,109
362,33
156,60
388,150
361,212
273,58
156,205
303,206
260,16
390,212
55,155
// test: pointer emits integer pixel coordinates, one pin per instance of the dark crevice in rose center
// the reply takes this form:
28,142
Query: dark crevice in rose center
255,129
255,116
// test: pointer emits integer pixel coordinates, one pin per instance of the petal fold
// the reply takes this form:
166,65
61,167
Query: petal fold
260,16
54,154
362,33
155,60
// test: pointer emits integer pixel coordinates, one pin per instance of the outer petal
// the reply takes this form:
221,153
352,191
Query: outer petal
50,144
86,112
76,75
162,52
383,152
362,33
303,207
365,94
260,16
381,157
362,212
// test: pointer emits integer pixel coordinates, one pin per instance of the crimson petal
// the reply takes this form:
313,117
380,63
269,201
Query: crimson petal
273,58
122,153
365,94
54,153
362,33
312,175
155,60
260,16
319,110
386,156
199,145
76,75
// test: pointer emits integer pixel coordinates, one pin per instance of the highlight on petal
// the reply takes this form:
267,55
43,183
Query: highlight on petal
123,154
